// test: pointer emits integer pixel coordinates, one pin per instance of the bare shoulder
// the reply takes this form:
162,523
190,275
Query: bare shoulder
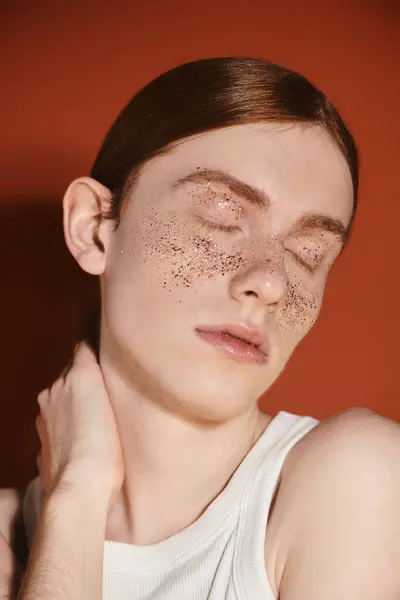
340,488
340,434
352,438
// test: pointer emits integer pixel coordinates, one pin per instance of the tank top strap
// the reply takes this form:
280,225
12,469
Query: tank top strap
249,562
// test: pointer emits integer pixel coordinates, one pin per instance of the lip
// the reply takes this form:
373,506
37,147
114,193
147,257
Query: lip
239,341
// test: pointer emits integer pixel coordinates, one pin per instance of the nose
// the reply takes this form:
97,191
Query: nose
266,284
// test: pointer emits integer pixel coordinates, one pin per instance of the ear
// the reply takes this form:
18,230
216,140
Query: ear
86,231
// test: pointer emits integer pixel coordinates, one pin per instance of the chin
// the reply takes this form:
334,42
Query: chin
215,396
197,386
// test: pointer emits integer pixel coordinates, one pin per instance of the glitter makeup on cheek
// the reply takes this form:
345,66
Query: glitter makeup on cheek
304,296
182,253
179,255
204,260
302,302
299,311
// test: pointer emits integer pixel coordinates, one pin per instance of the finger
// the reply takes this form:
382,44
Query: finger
81,355
84,354
70,363
67,369
42,397
38,424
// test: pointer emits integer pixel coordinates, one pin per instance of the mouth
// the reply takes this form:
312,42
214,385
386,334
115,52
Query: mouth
239,342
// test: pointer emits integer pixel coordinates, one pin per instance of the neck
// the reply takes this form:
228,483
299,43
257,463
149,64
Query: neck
171,463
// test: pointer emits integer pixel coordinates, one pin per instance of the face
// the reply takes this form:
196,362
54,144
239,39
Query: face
235,227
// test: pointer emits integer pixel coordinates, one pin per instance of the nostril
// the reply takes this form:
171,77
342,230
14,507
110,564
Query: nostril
250,293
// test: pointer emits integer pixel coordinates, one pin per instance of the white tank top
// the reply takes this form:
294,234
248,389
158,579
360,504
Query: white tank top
221,555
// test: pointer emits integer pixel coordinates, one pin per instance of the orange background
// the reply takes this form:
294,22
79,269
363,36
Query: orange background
69,67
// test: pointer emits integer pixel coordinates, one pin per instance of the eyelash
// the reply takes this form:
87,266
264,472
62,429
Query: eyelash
307,267
214,227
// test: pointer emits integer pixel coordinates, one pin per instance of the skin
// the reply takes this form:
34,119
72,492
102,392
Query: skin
163,273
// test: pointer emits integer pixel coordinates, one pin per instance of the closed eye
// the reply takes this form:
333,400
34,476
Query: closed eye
310,268
210,226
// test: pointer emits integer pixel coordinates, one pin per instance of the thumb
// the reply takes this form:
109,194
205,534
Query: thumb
84,354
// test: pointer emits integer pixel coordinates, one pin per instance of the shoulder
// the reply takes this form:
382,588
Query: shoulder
347,441
353,427
340,490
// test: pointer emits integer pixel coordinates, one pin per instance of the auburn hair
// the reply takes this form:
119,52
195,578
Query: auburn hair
206,95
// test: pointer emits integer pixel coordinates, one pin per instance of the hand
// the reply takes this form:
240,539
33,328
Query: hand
78,431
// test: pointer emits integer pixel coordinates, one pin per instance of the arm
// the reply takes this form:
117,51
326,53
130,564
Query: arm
81,471
344,541
66,559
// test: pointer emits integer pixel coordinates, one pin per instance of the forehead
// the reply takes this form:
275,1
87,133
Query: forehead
299,167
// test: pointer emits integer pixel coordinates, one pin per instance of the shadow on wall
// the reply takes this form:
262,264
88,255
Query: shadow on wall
45,302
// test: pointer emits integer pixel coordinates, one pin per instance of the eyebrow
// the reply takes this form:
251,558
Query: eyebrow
261,200
322,222
238,187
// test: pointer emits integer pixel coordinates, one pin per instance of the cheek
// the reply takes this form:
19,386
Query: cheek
179,257
301,306
199,258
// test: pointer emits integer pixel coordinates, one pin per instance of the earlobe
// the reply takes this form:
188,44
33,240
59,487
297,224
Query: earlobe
85,229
